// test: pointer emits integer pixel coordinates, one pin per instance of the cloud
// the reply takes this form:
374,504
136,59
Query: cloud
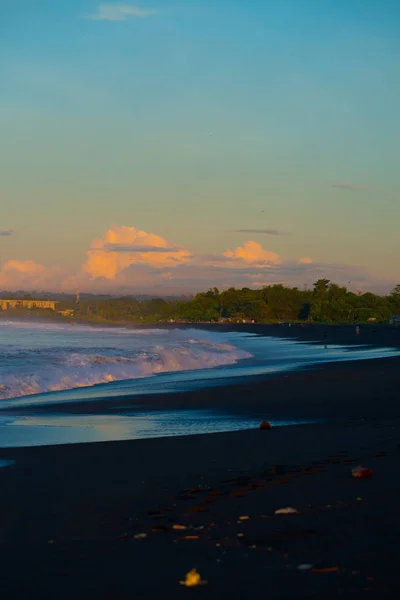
253,252
264,231
127,260
132,248
28,275
6,232
120,12
305,260
122,247
355,188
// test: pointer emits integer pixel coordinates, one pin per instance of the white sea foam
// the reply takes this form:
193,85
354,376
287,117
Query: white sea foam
56,357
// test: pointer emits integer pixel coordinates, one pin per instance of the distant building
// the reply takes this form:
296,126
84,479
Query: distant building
9,304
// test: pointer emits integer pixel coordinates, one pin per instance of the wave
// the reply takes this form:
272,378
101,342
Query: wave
73,369
44,326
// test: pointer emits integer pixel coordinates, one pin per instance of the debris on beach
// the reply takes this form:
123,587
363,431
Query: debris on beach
265,425
361,473
193,579
289,510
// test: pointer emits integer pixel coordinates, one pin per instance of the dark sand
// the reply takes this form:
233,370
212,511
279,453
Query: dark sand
69,514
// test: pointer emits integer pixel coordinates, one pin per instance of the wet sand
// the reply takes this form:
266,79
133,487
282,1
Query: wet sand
69,514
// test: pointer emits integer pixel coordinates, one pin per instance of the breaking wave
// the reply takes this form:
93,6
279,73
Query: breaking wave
62,358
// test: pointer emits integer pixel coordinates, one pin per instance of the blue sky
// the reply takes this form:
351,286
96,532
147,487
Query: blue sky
194,119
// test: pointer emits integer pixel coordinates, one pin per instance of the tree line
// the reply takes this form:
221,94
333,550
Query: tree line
326,302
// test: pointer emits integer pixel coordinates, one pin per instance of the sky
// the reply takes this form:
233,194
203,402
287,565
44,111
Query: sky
169,146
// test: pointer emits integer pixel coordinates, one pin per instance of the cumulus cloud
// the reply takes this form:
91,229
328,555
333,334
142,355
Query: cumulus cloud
264,231
120,12
127,259
353,188
253,252
122,247
6,232
28,274
305,260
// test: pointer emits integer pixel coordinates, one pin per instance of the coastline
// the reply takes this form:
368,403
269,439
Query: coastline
297,394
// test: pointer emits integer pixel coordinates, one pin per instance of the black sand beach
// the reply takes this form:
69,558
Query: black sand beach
69,515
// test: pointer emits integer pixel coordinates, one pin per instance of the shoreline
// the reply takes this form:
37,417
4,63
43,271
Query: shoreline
363,380
320,379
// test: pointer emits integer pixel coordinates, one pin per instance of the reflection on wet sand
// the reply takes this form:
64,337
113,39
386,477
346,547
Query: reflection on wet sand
50,429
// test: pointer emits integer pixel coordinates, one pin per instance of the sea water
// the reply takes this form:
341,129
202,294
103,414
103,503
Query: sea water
46,367
48,357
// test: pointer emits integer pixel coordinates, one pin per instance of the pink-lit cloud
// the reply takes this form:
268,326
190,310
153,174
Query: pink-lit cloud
28,274
305,260
253,253
122,247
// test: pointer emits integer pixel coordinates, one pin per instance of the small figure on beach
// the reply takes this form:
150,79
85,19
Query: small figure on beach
326,339
357,330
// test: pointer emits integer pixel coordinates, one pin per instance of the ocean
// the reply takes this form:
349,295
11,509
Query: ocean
46,368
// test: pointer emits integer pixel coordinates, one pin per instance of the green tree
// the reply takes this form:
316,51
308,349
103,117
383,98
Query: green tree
321,288
394,299
396,290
